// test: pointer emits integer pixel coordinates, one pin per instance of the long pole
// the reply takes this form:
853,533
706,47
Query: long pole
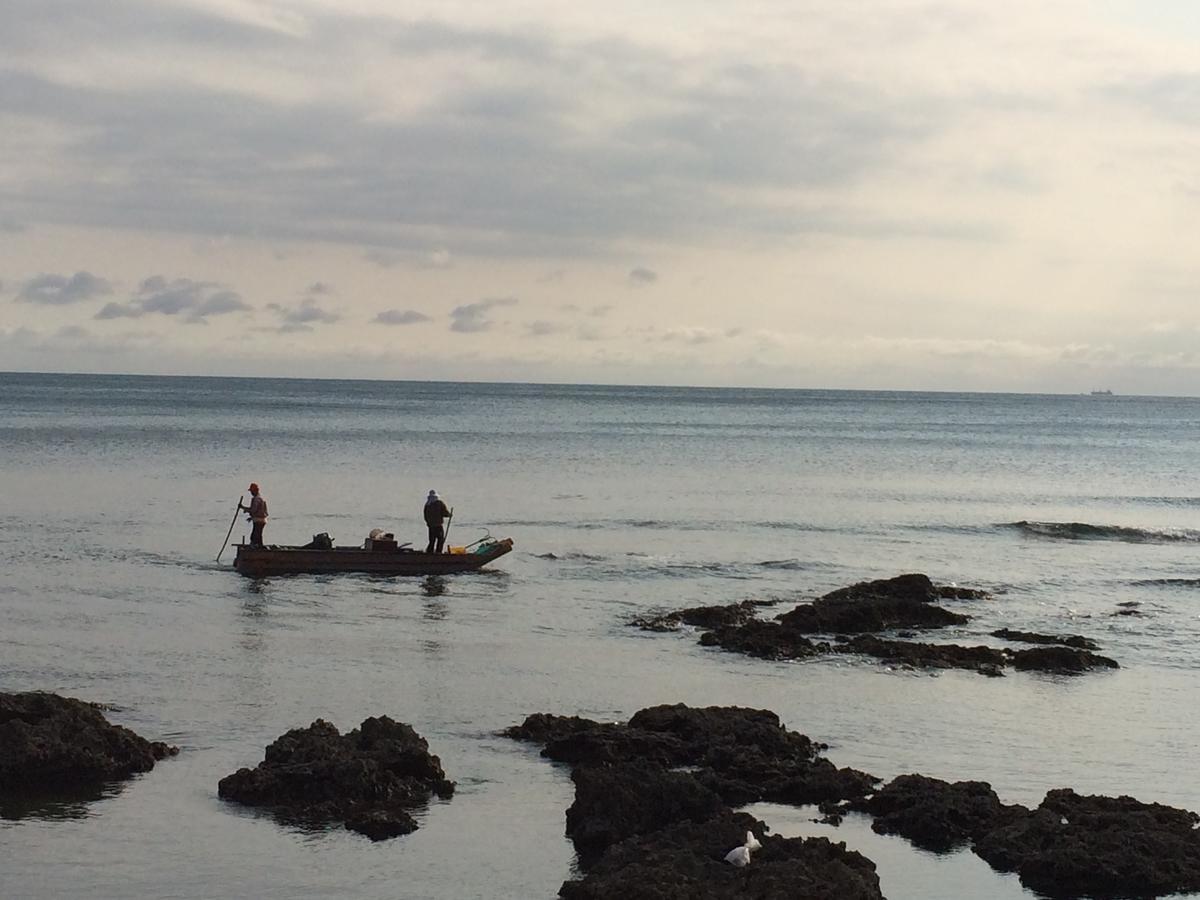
449,522
231,524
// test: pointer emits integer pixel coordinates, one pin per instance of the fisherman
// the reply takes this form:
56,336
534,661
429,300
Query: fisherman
257,513
435,514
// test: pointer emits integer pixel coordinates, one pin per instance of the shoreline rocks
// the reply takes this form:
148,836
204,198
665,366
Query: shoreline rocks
853,617
368,779
48,742
653,818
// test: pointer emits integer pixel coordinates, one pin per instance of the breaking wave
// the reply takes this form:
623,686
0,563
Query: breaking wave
1083,531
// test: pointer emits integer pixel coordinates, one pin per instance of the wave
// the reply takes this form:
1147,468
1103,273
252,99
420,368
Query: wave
1083,531
1166,582
562,557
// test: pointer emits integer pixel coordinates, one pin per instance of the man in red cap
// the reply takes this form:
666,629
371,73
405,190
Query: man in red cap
257,510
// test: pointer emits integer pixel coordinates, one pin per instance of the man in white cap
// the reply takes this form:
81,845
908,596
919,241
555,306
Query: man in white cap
435,514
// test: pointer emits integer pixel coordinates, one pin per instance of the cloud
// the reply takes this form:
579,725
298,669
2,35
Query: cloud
543,328
472,317
401,317
641,276
319,289
195,300
59,290
512,147
303,316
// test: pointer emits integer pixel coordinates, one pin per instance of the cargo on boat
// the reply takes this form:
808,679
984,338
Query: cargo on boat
375,558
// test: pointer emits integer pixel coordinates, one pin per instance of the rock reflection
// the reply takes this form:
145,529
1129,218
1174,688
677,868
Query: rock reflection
66,802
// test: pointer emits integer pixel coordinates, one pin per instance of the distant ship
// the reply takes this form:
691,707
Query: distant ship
1102,393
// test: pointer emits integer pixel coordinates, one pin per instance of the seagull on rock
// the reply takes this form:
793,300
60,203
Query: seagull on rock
740,856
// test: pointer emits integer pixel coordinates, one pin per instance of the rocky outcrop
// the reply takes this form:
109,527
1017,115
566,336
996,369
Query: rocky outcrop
652,814
934,814
616,802
854,616
1032,637
367,779
1075,846
906,601
1059,660
985,660
48,742
686,860
743,755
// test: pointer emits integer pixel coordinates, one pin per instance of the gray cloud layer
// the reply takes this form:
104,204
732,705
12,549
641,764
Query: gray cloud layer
508,164
59,290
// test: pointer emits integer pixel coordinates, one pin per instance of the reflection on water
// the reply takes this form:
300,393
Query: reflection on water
60,802
433,586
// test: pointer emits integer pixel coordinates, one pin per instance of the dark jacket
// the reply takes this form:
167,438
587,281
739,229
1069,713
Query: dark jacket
436,513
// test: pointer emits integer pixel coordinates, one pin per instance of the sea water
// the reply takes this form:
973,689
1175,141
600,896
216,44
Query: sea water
1078,514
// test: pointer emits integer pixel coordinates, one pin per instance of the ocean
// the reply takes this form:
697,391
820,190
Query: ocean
117,491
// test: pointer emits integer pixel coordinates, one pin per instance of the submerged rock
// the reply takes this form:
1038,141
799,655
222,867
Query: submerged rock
934,814
985,660
48,742
704,616
368,778
905,601
1032,637
1075,846
686,861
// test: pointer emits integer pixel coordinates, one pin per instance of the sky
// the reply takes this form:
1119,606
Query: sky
895,194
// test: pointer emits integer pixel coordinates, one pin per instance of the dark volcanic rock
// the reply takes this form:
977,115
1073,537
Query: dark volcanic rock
704,616
742,754
540,728
616,802
1031,637
1074,846
1062,660
686,862
367,779
766,640
936,815
48,742
986,660
905,601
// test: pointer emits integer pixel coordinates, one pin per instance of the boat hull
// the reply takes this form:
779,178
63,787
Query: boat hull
261,562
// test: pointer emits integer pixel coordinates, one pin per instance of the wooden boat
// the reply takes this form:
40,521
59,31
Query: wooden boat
259,562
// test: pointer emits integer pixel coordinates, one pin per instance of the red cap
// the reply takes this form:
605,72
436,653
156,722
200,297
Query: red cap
253,486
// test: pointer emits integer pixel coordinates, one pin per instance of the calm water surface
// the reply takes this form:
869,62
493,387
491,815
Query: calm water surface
117,492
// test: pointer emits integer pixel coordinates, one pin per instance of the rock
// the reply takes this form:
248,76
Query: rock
1061,660
766,640
985,660
936,815
616,802
905,601
1075,846
685,862
741,754
1032,637
367,778
48,742
540,728
704,616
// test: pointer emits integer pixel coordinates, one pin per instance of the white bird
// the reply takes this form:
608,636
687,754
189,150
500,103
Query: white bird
740,856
